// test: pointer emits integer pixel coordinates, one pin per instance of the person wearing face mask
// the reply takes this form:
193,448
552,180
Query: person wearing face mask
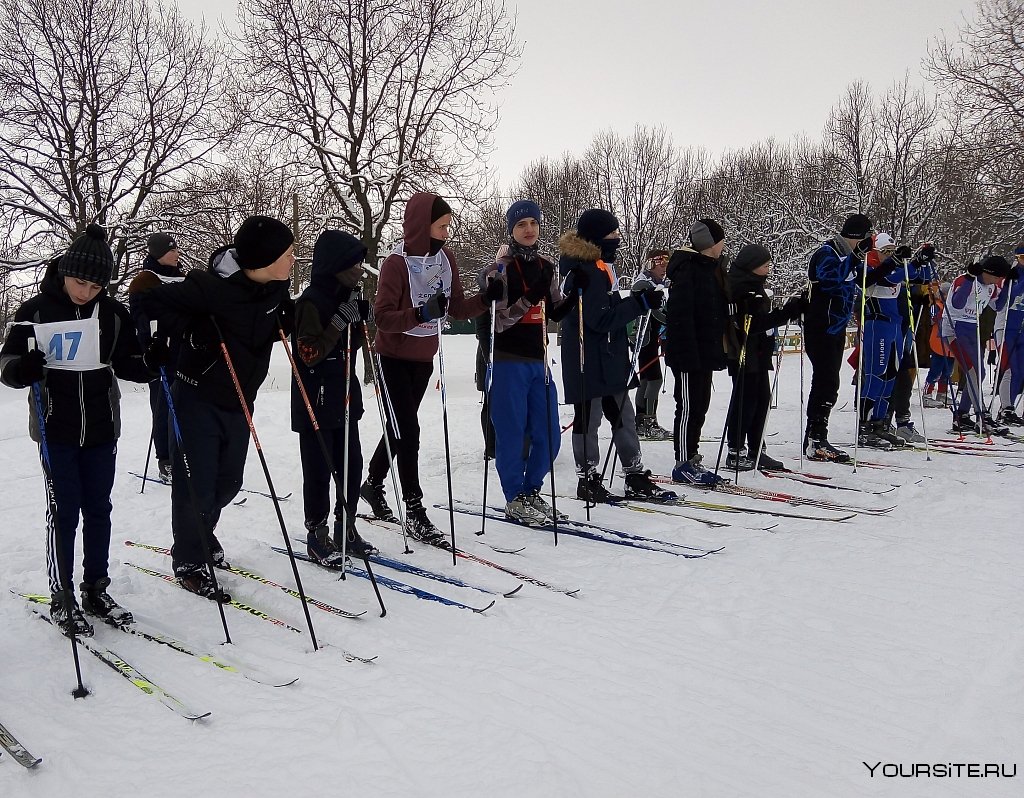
328,334
418,286
696,330
587,264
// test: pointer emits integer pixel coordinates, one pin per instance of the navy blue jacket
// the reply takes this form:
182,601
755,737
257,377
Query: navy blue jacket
834,272
605,316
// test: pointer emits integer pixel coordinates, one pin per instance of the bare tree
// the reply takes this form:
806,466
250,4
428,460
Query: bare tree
381,97
106,103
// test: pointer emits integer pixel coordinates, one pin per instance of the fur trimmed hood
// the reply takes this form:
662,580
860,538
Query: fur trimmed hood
572,246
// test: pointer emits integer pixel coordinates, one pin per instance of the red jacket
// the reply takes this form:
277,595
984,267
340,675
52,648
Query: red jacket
392,307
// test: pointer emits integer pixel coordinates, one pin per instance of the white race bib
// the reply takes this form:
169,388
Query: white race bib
71,345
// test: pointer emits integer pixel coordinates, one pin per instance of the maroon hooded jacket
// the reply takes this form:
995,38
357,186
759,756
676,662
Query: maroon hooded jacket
392,307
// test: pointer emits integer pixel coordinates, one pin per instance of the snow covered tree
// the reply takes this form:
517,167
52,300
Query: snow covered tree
106,104
379,98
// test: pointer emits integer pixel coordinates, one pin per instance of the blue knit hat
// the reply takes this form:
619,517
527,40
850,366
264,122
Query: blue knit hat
523,209
1019,250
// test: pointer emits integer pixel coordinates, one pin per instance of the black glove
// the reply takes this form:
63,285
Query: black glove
864,246
157,354
495,290
885,268
31,367
579,280
435,307
351,312
1014,273
795,306
992,357
926,254
286,315
650,298
539,288
202,335
563,308
903,252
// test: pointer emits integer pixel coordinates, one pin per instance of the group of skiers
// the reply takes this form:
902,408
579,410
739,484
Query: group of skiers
203,341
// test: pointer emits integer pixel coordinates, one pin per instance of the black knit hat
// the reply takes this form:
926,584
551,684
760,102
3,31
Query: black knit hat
89,257
159,244
260,241
857,225
595,224
705,233
439,209
750,257
996,265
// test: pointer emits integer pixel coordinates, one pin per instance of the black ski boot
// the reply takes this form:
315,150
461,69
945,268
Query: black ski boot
373,495
97,601
869,436
195,578
640,486
737,460
817,447
419,527
321,548
767,463
73,623
164,472
591,489
355,544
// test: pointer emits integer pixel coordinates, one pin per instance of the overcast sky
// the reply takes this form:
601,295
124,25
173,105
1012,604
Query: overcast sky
717,74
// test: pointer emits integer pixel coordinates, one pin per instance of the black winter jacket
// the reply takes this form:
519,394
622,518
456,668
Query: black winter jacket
247,314
81,407
323,376
697,313
750,298
605,316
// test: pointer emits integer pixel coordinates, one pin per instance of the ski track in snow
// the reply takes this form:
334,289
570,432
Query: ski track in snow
771,669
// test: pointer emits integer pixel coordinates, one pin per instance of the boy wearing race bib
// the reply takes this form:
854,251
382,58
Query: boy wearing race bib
85,338
418,286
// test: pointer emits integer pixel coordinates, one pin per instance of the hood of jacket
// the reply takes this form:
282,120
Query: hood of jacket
416,224
339,252
573,248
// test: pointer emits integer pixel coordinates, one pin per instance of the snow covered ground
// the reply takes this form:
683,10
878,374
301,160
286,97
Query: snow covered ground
777,667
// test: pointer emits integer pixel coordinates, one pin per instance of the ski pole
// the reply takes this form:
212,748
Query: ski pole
193,499
976,392
67,594
447,446
266,473
998,370
641,333
737,389
771,401
488,381
803,347
860,363
342,484
327,455
586,403
149,453
547,404
386,416
914,322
